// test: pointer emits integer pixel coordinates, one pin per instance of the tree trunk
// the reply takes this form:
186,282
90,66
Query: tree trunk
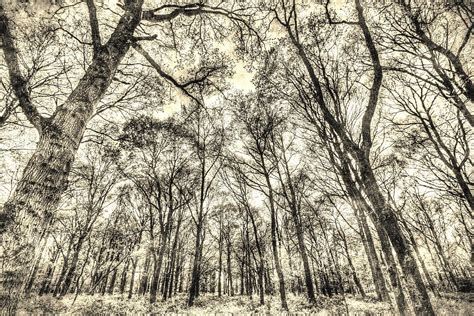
34,272
174,250
276,257
194,288
157,263
229,265
62,274
73,266
123,277
390,224
428,277
45,176
351,265
304,257
144,274
132,278
374,262
219,275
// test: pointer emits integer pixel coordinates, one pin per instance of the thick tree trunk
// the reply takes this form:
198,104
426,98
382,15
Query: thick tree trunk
32,277
45,176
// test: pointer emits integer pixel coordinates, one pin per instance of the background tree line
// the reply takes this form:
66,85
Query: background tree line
345,168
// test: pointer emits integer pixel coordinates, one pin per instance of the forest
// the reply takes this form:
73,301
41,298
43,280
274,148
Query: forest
236,156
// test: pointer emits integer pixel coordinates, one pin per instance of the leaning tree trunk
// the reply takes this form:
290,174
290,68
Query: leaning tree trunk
45,176
350,263
387,219
32,277
361,209
73,266
374,262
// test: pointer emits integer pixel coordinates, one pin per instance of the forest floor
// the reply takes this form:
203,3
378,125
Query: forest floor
449,304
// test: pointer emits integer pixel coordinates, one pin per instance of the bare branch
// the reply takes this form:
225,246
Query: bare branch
377,81
17,81
331,21
431,45
173,81
94,26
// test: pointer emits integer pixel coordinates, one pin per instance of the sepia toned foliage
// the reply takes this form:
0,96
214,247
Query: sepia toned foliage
236,156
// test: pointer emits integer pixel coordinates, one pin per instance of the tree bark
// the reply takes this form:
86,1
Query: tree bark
194,288
123,277
390,224
304,258
72,268
229,263
45,176
351,265
276,257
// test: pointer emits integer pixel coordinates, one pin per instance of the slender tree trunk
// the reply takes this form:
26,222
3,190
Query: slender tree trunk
304,258
123,277
72,268
111,285
174,253
363,208
261,265
219,275
132,278
64,268
144,274
394,275
274,241
45,285
157,263
389,222
374,262
194,288
179,268
229,264
351,265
